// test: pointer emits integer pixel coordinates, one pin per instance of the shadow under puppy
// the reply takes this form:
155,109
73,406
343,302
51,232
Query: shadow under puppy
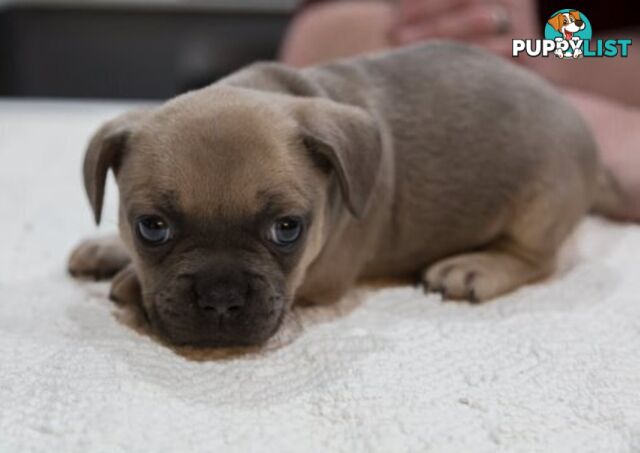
275,185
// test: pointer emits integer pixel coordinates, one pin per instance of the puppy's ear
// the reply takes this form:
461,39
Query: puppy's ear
556,21
575,15
347,138
104,151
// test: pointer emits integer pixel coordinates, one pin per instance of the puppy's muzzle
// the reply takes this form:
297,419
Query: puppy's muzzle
218,306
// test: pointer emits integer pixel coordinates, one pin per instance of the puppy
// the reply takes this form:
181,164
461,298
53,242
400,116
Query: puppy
567,24
437,163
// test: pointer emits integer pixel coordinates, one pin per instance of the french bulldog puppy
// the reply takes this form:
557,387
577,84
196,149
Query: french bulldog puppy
439,163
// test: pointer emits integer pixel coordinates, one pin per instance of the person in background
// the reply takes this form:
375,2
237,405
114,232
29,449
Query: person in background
605,90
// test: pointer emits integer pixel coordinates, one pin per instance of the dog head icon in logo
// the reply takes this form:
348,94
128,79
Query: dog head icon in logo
568,25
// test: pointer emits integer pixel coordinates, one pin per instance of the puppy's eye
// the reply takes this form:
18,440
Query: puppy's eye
153,230
285,231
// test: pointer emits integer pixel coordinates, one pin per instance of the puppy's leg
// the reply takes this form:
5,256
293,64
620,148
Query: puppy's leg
99,258
483,275
125,287
525,252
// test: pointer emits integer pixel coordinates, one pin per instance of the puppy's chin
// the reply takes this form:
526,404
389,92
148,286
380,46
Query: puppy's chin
218,338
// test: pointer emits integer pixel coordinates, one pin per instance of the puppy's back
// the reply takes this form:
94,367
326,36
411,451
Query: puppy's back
472,136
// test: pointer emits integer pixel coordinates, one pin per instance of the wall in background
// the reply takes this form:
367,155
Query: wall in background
132,50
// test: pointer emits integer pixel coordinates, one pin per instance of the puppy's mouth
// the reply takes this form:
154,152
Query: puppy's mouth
188,327
568,34
219,334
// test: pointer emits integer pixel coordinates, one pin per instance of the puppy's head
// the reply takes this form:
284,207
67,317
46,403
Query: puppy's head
567,23
226,196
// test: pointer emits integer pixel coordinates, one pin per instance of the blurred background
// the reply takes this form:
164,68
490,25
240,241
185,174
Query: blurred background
131,49
154,49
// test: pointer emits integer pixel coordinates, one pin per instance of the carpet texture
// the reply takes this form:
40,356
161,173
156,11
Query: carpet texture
552,367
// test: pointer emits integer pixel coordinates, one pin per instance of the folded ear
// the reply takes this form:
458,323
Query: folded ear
348,138
104,151
575,14
556,22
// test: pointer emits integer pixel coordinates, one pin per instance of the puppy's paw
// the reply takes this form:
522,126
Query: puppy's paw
98,259
457,279
125,287
476,277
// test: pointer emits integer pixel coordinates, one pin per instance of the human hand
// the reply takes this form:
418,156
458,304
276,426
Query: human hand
491,24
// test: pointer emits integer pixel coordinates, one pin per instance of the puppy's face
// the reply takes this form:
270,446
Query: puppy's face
224,203
567,23
223,212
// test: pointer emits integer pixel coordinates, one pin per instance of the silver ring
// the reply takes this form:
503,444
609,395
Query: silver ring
502,20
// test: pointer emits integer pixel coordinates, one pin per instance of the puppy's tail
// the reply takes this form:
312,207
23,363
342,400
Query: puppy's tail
610,200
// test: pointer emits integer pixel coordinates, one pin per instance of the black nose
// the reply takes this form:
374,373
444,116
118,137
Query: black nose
579,23
221,299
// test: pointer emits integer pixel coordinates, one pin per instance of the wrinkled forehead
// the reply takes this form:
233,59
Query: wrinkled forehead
223,163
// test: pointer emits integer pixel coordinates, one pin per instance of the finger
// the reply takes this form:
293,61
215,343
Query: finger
503,46
417,11
498,45
475,20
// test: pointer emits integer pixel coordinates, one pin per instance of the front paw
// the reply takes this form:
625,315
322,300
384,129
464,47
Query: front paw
125,287
453,280
473,277
481,276
98,259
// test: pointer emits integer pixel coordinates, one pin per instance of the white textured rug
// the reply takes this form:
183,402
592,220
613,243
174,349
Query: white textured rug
553,367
